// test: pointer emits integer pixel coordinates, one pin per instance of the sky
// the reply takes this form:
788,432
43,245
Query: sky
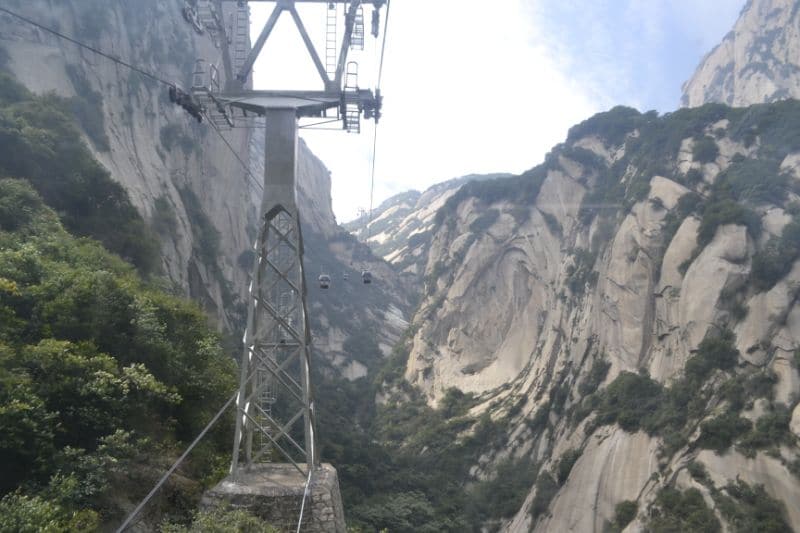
480,86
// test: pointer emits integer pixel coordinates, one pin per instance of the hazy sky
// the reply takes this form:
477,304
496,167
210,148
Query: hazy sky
478,86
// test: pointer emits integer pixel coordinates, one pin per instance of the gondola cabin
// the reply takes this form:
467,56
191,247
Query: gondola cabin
366,276
324,281
345,276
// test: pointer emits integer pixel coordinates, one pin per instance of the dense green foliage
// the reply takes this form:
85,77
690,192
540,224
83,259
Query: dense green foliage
705,149
595,377
580,272
747,508
624,513
681,511
719,433
698,471
32,514
719,213
39,142
775,260
637,402
770,430
546,489
715,352
221,521
503,494
612,126
522,189
99,373
404,466
565,464
484,221
632,401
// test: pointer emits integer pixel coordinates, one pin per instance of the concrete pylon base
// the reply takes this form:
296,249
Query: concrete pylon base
274,493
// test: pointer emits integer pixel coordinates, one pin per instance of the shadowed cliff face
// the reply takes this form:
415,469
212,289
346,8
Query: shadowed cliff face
182,178
353,325
178,174
637,245
758,61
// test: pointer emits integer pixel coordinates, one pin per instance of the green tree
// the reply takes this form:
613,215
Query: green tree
31,514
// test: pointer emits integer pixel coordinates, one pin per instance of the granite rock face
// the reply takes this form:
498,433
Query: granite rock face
757,62
522,300
177,170
277,494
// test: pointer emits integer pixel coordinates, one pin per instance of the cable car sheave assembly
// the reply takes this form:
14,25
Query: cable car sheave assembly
339,93
274,395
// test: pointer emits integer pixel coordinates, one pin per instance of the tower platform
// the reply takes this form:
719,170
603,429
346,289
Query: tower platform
274,493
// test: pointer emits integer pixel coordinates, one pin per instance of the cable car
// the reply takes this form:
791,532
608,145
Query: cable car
346,276
366,276
324,281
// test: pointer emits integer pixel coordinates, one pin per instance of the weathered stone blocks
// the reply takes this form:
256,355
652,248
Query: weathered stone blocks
274,493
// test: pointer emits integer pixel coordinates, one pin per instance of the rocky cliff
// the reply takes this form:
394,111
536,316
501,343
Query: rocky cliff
177,173
587,302
353,325
400,228
758,61
180,175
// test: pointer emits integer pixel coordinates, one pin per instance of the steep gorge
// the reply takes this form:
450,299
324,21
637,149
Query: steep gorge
633,246
182,178
623,313
621,321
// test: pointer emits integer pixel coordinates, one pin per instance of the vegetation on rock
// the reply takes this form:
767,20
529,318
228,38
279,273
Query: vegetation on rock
39,142
100,373
682,511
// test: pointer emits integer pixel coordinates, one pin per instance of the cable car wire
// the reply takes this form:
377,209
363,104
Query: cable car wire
383,46
134,68
97,51
236,155
175,465
375,130
116,59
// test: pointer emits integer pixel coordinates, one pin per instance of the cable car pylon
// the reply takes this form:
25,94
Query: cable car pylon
275,417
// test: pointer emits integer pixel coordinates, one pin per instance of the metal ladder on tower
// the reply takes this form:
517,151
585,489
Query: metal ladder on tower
241,36
357,39
352,109
330,40
205,89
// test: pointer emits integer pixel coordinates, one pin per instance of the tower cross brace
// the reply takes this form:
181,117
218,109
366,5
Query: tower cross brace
275,415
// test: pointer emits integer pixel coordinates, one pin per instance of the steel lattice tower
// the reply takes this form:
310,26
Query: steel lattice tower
276,361
275,407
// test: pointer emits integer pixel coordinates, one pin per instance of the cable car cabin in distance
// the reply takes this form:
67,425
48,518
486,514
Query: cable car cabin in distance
324,281
366,277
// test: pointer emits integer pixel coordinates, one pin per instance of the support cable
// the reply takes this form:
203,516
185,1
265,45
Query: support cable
139,70
305,497
383,46
375,131
97,51
116,59
236,155
175,465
